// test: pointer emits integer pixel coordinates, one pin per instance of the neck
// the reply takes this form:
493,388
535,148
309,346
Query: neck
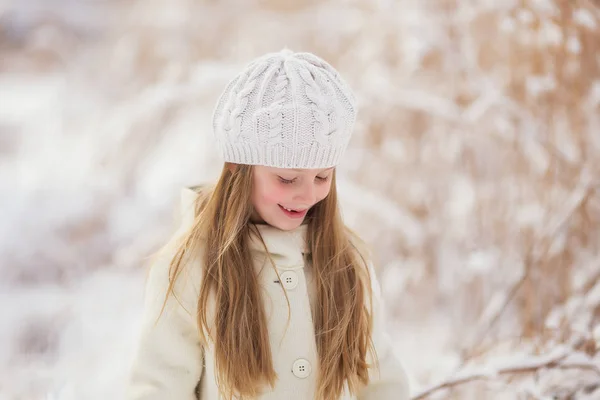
255,218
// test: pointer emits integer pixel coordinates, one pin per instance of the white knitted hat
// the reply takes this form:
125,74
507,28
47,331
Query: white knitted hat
286,110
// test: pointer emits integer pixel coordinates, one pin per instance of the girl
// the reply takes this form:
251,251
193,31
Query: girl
263,293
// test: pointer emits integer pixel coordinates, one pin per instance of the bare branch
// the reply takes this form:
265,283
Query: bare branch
551,361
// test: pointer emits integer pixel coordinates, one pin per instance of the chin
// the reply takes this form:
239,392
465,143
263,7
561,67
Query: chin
286,225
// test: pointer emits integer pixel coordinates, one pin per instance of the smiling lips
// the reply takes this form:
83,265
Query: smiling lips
292,213
293,209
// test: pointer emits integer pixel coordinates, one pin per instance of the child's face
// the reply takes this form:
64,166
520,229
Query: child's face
276,191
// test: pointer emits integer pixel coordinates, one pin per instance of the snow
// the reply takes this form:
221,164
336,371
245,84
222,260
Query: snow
479,193
573,45
585,18
369,203
525,16
538,85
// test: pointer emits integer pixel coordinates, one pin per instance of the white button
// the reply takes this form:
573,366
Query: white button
289,279
301,368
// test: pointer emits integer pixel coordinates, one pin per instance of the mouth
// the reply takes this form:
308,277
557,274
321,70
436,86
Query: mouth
293,213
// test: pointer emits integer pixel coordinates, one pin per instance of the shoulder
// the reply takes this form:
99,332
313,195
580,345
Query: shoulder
176,268
362,250
366,259
191,200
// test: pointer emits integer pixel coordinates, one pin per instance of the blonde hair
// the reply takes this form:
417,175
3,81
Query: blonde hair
342,317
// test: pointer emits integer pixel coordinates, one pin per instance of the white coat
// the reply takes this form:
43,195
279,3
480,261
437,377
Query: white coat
170,362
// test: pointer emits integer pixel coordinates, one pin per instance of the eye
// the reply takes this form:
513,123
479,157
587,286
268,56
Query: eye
286,181
322,178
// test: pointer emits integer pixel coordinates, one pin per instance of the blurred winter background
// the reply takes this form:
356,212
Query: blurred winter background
474,173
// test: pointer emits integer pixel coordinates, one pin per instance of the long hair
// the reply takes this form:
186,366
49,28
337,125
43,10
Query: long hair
231,315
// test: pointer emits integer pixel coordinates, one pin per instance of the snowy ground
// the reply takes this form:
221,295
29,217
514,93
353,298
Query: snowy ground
105,114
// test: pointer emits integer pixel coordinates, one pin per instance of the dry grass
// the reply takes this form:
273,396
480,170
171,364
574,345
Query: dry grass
479,130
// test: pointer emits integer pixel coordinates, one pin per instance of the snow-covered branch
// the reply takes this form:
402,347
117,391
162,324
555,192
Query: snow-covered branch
556,359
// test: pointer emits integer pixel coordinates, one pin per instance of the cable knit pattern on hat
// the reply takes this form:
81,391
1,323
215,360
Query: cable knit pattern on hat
286,110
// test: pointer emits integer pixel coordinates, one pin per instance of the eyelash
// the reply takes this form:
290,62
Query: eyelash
286,181
290,181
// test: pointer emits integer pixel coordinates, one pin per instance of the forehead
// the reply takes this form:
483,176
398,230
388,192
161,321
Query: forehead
273,170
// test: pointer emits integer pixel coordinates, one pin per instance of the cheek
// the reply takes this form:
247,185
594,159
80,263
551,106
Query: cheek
275,194
323,191
268,193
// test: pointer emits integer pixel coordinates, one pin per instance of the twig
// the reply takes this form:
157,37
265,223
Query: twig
493,319
582,189
587,367
547,362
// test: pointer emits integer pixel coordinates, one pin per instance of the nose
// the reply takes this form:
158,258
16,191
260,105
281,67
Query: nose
306,194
